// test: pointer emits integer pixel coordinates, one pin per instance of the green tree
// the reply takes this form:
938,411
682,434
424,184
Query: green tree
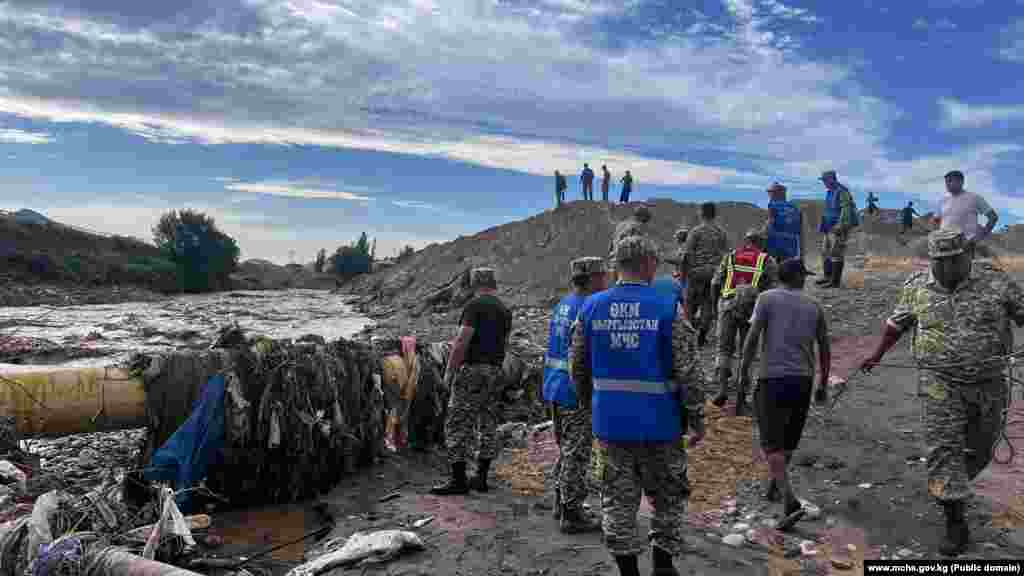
353,260
204,256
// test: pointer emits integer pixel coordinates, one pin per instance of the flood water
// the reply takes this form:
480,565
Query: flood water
111,333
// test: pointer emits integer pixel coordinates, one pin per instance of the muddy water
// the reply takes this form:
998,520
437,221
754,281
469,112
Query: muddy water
110,333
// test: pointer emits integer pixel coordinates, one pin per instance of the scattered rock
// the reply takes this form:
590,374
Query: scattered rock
513,434
864,486
904,552
12,475
807,548
842,563
543,426
811,511
851,547
741,527
735,540
769,522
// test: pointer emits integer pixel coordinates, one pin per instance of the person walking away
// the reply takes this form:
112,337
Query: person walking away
560,187
627,188
635,363
637,225
960,210
838,219
787,322
606,179
743,274
677,275
784,230
705,246
961,312
572,423
475,365
907,218
587,179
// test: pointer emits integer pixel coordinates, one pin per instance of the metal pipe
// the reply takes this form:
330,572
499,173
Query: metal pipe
117,562
57,401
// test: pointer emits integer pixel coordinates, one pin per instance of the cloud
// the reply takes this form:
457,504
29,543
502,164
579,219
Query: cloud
15,136
956,114
1013,42
293,190
225,179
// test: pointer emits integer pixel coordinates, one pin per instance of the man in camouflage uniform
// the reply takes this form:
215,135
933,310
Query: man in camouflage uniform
637,225
703,252
837,221
641,406
743,274
961,314
680,237
572,421
475,363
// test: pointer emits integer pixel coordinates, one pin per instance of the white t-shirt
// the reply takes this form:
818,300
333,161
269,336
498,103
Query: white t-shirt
961,212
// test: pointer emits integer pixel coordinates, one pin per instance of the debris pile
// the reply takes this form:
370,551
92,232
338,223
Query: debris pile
297,416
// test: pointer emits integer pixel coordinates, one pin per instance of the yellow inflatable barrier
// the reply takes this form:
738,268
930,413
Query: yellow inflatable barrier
56,401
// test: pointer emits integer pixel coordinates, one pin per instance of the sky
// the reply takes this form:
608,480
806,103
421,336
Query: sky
299,124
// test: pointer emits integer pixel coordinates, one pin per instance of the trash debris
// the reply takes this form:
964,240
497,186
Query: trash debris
392,496
362,547
543,426
422,522
812,512
735,540
807,548
842,563
171,523
11,474
513,434
904,552
741,527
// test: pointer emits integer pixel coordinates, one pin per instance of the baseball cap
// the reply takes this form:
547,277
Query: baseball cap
793,266
827,174
633,248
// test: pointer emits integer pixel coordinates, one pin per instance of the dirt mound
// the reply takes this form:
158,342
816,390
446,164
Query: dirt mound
532,255
265,275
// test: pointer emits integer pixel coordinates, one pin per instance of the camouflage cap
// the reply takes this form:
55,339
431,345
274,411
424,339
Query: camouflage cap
681,234
483,277
633,248
945,243
753,234
587,266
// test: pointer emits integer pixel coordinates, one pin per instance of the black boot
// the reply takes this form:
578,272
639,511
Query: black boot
771,493
826,274
558,505
479,482
837,274
456,486
662,563
954,543
575,521
741,397
628,565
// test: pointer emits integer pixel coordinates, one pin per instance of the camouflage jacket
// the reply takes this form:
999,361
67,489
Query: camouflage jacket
628,227
962,334
704,249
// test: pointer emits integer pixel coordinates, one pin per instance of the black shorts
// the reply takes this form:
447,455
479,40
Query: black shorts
781,405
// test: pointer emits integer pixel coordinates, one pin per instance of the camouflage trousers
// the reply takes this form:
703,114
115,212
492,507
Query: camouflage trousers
575,444
698,299
472,413
732,326
961,424
625,472
833,246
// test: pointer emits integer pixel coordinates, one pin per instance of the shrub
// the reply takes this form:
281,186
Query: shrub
204,257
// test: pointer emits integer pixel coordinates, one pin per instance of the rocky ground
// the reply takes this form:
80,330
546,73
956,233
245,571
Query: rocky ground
17,292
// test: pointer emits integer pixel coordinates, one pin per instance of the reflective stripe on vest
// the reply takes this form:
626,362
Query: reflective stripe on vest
558,387
740,274
636,386
557,364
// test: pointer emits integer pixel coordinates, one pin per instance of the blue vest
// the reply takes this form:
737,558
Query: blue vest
558,387
629,332
784,234
833,209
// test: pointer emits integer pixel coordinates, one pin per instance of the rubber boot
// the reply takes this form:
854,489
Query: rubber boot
575,521
955,540
771,492
479,482
456,486
826,274
628,565
662,563
557,513
724,374
741,398
837,274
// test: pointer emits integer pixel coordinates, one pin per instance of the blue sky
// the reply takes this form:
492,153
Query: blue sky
299,124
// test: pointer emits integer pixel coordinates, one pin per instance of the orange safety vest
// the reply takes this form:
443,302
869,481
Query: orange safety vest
745,267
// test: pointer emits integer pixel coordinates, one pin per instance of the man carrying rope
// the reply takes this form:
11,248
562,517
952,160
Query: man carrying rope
961,310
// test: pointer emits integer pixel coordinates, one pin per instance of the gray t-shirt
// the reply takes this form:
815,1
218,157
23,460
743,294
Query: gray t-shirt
961,212
792,322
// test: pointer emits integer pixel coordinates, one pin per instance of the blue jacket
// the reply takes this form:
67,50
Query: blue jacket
784,233
558,387
628,330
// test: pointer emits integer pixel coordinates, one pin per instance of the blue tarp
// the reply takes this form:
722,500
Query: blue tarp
184,459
